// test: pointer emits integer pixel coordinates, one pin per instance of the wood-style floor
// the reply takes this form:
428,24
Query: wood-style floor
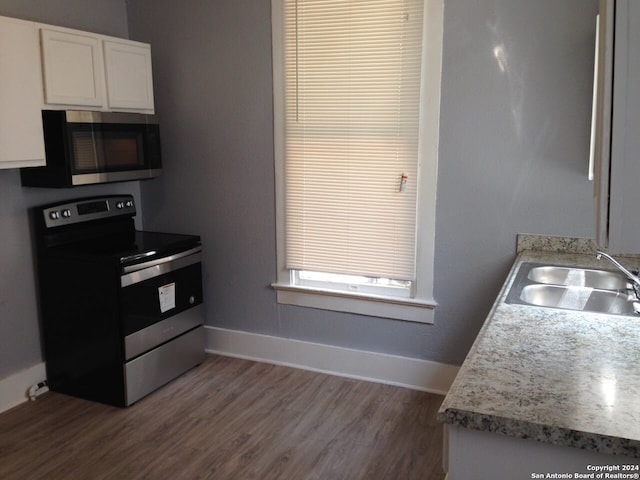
230,419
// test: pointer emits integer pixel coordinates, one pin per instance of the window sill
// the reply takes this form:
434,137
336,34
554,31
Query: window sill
398,308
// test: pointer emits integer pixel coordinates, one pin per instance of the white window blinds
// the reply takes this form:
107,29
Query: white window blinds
352,89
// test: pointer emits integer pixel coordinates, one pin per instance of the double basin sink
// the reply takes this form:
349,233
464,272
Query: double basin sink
570,288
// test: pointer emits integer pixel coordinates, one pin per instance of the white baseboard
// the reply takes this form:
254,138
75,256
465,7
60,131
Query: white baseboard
14,389
358,364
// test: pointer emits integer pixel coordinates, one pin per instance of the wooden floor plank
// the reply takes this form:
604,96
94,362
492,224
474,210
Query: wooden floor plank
230,419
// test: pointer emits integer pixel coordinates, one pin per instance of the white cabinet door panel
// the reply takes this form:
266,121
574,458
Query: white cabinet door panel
73,69
129,77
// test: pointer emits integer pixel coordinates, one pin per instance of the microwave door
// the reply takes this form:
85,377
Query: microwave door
108,152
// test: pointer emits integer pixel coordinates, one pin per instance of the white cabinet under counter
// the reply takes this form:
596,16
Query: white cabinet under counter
21,140
84,70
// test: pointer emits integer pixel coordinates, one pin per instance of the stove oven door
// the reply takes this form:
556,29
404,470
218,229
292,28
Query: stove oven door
163,316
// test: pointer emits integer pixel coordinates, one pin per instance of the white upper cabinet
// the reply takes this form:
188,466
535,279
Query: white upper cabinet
73,69
83,70
48,67
21,141
129,78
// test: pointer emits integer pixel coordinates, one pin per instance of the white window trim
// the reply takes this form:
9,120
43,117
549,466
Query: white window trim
421,307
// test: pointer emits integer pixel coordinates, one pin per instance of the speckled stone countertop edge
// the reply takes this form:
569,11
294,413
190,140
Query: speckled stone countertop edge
541,433
515,427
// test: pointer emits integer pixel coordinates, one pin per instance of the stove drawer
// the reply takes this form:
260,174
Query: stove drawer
162,364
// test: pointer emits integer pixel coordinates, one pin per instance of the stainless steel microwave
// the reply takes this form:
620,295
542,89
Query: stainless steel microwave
86,147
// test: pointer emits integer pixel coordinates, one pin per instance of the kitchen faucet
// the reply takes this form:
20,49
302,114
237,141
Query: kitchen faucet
634,278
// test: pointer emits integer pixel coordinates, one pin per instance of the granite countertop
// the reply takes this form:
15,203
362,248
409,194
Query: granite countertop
558,376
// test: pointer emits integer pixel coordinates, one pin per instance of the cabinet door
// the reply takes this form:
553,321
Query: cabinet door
129,77
21,140
624,195
73,69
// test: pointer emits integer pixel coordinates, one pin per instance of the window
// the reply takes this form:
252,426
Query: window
356,103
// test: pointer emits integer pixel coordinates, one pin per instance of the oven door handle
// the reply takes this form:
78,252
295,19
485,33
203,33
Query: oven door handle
154,268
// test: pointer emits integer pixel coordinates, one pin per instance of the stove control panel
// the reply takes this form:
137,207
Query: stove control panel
88,209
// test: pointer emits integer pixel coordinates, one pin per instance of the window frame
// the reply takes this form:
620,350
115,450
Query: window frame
419,308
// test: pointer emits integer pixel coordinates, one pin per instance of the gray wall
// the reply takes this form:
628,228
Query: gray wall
514,145
19,325
513,155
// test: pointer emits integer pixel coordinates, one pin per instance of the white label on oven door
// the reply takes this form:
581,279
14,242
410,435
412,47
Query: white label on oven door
167,295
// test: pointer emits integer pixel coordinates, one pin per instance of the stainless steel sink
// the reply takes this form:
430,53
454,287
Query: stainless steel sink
589,290
578,298
578,277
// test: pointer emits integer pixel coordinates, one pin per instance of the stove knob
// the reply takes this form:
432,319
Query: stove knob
54,215
66,213
129,203
120,205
